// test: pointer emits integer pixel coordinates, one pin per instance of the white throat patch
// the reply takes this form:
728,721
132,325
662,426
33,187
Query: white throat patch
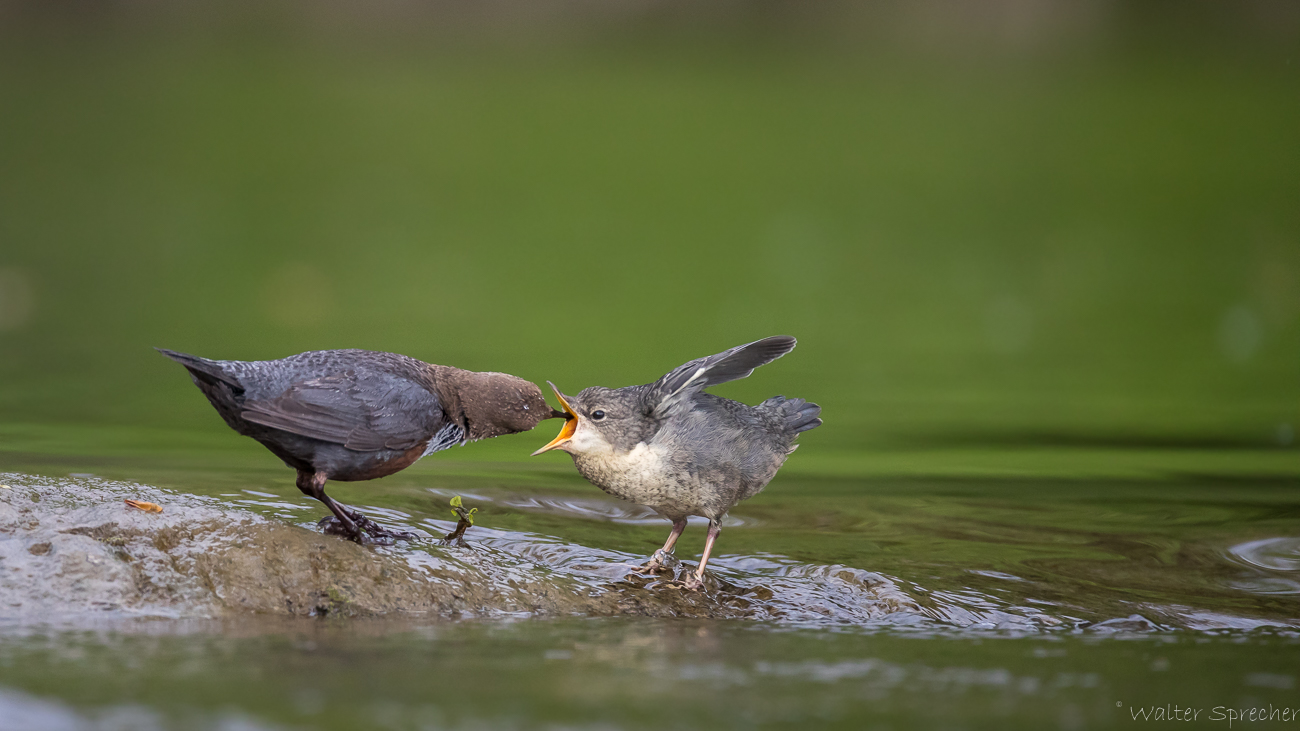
587,440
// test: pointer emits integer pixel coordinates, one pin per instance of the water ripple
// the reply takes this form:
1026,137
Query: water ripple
1272,554
1267,558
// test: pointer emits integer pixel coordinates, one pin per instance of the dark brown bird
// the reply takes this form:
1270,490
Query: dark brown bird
353,415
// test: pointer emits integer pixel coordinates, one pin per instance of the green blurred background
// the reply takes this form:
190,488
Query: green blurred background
1013,225
1043,259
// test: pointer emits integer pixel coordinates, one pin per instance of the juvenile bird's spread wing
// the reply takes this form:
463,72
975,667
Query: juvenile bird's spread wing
365,412
665,396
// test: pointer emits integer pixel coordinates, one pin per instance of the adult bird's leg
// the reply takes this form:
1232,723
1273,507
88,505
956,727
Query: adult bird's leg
657,561
354,524
696,580
312,484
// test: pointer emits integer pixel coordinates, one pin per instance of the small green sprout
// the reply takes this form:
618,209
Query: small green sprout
460,512
464,519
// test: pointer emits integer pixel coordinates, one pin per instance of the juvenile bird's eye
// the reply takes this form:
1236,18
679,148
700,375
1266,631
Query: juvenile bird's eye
597,415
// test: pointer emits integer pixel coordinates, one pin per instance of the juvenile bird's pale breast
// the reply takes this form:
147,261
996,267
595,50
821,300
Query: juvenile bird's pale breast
624,474
641,475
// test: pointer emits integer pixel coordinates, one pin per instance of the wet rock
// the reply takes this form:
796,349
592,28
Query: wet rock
70,547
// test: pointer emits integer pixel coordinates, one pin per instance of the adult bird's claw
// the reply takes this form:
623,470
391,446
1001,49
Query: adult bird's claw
364,530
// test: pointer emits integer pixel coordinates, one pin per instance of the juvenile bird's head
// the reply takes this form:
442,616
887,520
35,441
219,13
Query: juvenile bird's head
499,403
599,421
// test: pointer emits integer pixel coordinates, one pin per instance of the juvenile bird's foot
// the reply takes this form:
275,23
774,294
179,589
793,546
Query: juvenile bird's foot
657,563
690,583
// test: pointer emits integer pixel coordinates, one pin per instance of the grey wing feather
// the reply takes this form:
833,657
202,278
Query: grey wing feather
366,412
679,385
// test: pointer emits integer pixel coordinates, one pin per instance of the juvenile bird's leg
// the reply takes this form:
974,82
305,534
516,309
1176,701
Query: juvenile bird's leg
657,561
354,524
696,580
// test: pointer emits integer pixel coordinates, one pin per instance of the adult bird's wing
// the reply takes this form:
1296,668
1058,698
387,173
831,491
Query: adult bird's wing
365,412
670,393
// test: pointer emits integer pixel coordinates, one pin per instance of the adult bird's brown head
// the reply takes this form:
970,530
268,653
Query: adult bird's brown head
495,404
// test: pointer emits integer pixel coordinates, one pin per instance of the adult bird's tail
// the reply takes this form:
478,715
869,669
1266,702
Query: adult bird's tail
204,371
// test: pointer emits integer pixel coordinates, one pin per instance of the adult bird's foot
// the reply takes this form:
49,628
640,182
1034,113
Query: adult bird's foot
367,530
377,531
332,526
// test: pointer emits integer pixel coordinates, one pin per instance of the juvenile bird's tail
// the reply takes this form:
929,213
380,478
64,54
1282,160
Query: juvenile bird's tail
800,416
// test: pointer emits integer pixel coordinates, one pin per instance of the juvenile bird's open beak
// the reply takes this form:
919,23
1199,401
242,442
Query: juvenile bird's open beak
570,423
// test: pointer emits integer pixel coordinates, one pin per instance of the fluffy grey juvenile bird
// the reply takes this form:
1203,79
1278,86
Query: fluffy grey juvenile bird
359,414
679,451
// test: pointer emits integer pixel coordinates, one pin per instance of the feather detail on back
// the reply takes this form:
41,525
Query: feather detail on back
363,412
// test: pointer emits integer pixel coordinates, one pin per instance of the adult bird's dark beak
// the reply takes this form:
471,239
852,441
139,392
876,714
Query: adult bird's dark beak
557,414
570,423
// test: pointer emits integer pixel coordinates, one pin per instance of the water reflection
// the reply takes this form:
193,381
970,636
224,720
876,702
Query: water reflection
25,711
645,673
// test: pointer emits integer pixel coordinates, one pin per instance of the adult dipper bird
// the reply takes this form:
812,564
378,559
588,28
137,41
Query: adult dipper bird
679,451
356,414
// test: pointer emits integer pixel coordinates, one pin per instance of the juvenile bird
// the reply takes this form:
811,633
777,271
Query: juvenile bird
679,451
357,415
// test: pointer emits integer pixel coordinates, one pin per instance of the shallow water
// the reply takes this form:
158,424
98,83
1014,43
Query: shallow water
880,602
